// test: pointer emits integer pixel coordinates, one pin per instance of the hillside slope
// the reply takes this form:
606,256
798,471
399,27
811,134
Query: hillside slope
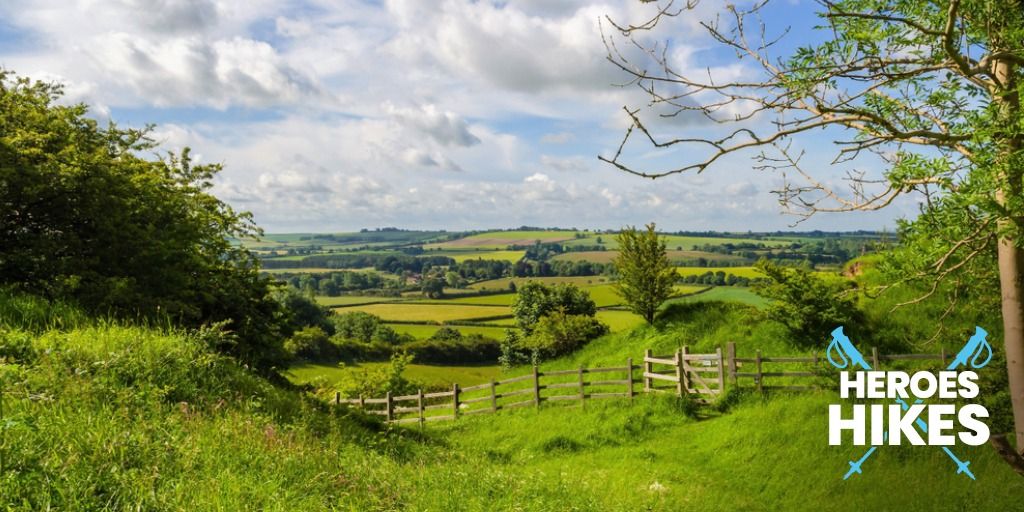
104,416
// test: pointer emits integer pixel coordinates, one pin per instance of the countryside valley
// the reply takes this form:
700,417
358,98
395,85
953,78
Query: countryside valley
511,255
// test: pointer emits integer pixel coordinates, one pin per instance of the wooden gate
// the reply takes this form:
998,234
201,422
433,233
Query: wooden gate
701,374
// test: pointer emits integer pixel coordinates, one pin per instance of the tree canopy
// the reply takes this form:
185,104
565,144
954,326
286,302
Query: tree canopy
646,276
94,214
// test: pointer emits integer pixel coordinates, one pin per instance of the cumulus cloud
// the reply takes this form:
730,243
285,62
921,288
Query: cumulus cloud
567,164
447,128
338,115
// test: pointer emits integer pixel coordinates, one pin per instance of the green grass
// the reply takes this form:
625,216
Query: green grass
673,255
725,294
430,376
440,313
130,418
502,284
503,239
423,331
352,300
461,256
619,320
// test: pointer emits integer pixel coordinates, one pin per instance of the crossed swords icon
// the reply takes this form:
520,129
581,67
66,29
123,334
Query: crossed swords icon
973,350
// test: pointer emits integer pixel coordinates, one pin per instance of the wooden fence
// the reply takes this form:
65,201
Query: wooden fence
532,389
679,373
802,373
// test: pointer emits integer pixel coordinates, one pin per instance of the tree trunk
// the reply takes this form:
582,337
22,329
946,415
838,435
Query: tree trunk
1011,260
1011,257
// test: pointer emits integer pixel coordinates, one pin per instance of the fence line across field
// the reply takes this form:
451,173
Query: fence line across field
681,373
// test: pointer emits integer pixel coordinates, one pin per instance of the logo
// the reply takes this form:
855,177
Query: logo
907,419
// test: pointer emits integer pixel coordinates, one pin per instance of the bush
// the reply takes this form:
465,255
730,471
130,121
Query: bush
308,343
468,349
560,333
535,300
810,307
365,328
375,382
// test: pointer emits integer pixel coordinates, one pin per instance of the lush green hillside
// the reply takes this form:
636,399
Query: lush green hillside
102,416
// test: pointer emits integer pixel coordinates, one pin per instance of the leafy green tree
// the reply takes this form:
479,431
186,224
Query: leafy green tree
83,216
646,276
534,300
307,343
558,333
433,287
927,91
807,305
364,327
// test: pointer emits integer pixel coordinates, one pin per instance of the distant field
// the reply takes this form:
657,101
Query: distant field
502,284
736,271
352,300
431,376
682,242
673,255
422,332
502,239
619,320
725,294
426,313
461,256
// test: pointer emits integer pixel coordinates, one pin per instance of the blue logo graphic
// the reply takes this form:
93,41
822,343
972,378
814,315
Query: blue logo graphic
842,354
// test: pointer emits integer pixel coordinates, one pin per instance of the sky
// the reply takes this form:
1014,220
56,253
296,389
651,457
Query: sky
450,114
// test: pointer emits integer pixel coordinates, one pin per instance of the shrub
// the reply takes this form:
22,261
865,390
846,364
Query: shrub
379,380
308,343
535,300
560,333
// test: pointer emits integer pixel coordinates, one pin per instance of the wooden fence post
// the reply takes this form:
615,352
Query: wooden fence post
629,378
874,358
362,402
494,397
536,387
455,400
687,380
337,398
419,397
942,353
679,373
731,348
583,392
390,405
647,369
760,378
721,370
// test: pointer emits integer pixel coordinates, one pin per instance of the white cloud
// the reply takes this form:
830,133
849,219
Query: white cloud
337,115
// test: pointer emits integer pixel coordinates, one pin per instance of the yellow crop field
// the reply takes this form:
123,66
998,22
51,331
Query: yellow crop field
428,313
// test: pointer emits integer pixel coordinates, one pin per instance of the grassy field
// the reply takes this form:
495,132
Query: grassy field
724,294
423,331
502,284
608,256
352,300
461,256
158,422
428,375
619,320
425,313
503,239
676,242
736,271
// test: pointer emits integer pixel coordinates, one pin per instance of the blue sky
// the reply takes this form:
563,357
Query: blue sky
452,114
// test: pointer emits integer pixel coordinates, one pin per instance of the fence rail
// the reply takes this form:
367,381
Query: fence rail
702,375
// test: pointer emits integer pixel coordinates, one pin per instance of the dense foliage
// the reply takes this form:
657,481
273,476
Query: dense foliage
83,216
646,276
534,300
808,305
